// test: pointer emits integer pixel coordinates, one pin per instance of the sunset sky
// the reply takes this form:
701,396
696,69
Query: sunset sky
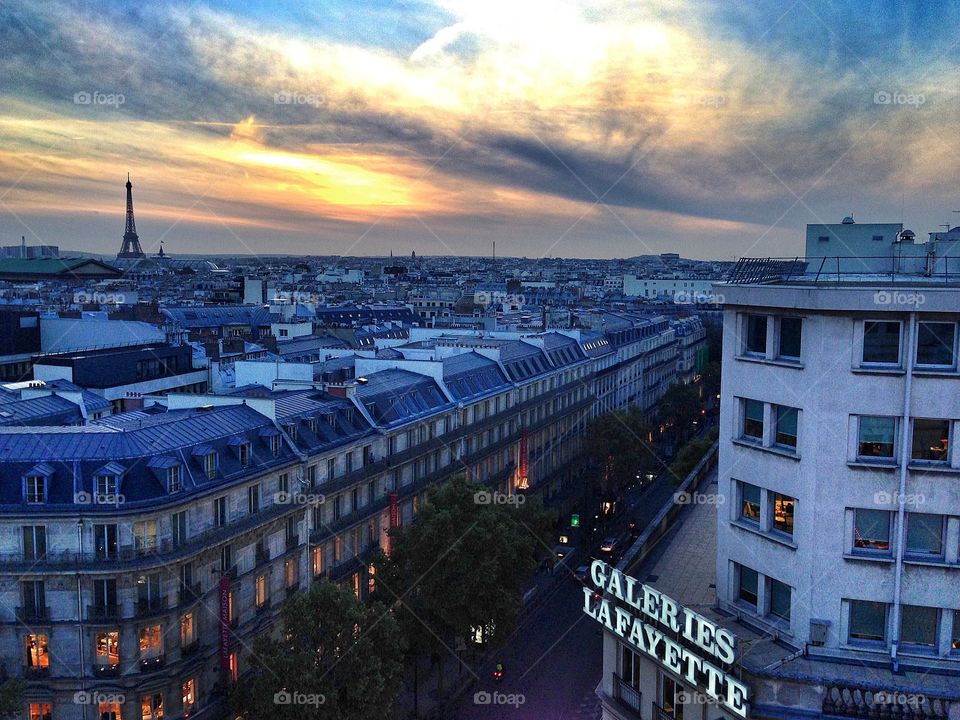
593,128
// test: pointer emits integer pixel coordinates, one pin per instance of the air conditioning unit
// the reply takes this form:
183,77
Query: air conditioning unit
818,631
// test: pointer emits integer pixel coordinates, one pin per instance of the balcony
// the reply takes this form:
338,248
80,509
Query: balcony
103,613
263,607
153,663
190,649
626,694
151,606
292,542
262,555
36,673
293,588
33,614
190,594
660,714
106,670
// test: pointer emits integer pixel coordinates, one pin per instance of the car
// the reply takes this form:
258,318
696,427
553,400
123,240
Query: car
582,573
609,545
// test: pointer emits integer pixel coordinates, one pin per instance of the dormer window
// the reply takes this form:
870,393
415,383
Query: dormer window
106,488
275,445
244,454
174,479
312,425
210,464
292,431
35,489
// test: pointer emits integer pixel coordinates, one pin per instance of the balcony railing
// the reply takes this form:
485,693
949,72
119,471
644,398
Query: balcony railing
626,694
262,555
190,593
28,614
106,670
149,606
153,663
660,714
103,613
292,541
36,673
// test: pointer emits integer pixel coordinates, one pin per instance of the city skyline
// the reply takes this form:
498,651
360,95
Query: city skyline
561,129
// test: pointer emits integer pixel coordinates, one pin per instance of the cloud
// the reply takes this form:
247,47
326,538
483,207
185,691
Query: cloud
493,115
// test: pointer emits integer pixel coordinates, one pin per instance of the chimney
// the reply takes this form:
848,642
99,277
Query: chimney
342,389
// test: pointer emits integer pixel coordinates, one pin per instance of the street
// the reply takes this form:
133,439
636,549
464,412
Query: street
553,660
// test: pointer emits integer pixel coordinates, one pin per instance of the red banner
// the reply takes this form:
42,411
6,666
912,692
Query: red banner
394,509
225,623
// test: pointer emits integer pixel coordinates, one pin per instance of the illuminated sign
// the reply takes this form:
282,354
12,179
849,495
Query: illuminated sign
664,630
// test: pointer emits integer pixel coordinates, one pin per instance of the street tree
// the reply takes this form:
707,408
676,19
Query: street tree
336,658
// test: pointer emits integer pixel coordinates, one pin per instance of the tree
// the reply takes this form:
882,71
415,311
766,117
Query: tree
336,658
618,447
677,409
458,570
11,697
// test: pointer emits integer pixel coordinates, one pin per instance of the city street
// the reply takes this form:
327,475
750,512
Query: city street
554,659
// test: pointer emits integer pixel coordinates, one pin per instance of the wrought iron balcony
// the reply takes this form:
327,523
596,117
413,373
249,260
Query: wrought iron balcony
103,613
626,694
30,614
149,606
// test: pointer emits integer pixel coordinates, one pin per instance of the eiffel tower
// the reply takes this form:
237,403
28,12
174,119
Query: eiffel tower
131,242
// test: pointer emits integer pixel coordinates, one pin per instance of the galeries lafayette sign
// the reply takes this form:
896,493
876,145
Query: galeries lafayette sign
676,638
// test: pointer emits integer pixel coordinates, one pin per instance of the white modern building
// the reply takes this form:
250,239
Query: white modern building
836,582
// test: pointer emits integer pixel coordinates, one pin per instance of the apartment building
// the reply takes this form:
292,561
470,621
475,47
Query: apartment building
143,552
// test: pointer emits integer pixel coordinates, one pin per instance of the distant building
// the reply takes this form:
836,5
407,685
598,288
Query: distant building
29,252
50,268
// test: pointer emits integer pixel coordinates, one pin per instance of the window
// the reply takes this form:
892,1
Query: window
34,597
786,426
35,490
178,528
749,503
317,561
931,440
881,342
783,507
233,667
226,558
312,475
41,711
871,530
331,468
106,647
105,488
924,534
151,707
187,630
868,621
105,541
918,625
756,334
747,588
105,594
671,697
275,445
174,482
210,464
290,573
220,511
34,542
244,453
253,498
779,600
788,346
935,344
753,419
151,642
876,437
283,483
188,690
261,591
38,651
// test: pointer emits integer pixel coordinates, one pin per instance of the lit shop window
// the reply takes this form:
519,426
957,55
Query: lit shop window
38,652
